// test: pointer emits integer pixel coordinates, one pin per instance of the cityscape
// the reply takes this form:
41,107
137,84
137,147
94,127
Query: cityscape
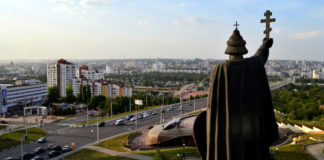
125,80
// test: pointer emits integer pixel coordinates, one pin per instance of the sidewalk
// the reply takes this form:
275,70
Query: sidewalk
121,154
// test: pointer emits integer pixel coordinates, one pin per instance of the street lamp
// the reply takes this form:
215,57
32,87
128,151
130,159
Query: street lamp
184,145
178,156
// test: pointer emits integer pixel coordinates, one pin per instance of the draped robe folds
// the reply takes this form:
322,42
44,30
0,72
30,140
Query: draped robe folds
239,123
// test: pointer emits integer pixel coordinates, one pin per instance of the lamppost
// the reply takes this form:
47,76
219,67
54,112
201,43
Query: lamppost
97,132
184,145
178,156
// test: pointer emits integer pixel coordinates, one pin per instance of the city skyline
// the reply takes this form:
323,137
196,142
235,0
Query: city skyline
114,29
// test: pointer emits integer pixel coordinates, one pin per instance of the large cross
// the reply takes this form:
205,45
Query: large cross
267,21
236,24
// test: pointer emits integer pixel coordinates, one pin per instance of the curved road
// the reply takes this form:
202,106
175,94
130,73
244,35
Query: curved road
315,150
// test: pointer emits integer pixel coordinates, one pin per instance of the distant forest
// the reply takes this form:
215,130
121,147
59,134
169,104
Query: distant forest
300,102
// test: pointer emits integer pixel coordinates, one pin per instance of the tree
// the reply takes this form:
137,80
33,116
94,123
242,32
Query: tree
53,94
97,101
69,94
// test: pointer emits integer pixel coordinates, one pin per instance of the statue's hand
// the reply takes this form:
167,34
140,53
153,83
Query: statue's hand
267,42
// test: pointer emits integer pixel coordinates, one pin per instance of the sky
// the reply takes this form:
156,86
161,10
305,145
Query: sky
187,29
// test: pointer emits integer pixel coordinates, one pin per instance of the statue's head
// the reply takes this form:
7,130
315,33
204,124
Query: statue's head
236,44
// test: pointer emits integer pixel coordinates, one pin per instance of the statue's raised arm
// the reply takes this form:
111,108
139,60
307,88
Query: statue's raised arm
263,51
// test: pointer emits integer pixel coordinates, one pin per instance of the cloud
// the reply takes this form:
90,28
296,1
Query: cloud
191,20
143,22
277,30
64,8
95,3
305,35
184,4
64,1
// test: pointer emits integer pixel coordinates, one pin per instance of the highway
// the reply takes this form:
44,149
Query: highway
62,134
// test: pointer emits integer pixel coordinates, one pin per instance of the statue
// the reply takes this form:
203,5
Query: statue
239,123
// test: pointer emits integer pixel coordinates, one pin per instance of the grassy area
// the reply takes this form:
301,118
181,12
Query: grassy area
116,143
93,121
296,151
13,139
86,154
171,153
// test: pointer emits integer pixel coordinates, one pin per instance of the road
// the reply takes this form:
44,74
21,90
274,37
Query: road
316,150
60,133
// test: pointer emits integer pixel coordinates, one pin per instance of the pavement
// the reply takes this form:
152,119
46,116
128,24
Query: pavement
120,154
62,134
315,150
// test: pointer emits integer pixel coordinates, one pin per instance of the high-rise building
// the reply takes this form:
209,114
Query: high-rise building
90,74
60,75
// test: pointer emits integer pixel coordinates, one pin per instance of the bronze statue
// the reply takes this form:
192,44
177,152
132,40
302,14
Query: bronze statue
239,122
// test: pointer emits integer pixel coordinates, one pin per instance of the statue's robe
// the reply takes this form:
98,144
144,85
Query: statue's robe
239,123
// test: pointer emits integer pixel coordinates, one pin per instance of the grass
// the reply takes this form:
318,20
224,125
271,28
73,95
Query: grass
116,143
171,153
12,139
93,121
86,154
296,151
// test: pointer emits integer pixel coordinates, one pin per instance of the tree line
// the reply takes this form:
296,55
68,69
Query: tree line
300,102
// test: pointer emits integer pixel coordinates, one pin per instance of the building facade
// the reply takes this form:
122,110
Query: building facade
20,95
60,75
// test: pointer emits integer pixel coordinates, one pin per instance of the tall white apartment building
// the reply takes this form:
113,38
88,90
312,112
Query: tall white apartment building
90,74
60,74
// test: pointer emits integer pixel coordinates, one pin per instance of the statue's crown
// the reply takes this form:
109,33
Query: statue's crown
236,44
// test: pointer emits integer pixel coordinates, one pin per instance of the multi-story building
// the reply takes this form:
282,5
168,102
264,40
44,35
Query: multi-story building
15,96
60,74
90,74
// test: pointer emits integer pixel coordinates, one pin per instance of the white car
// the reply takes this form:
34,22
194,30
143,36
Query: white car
133,119
119,122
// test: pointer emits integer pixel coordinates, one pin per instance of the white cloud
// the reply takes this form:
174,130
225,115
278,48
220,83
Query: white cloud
64,8
143,22
95,3
183,4
191,20
277,30
305,35
66,1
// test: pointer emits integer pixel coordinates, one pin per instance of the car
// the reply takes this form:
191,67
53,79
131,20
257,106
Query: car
39,150
37,158
15,116
66,148
145,115
119,122
139,116
153,113
50,145
42,140
11,158
128,117
102,124
132,119
170,108
28,155
180,108
3,122
163,111
56,148
53,153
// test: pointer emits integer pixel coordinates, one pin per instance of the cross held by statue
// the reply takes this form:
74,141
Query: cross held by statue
267,21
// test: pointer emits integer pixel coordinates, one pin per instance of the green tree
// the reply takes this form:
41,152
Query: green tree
69,94
53,94
97,101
